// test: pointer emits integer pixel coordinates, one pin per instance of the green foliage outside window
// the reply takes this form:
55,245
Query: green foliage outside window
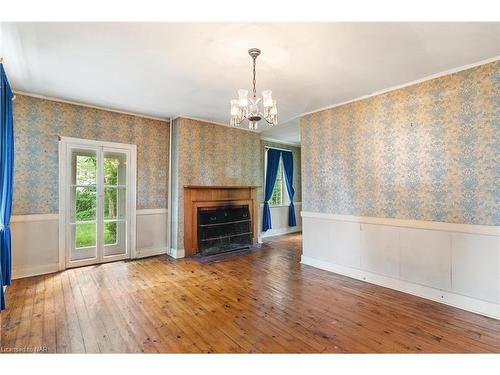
277,196
85,199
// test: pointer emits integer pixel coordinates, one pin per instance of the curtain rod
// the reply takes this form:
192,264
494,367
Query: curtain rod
281,149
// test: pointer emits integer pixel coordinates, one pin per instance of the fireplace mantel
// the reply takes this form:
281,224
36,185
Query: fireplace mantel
196,196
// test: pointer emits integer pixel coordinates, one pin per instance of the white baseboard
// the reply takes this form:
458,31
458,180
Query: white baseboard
149,252
22,272
281,231
177,253
462,302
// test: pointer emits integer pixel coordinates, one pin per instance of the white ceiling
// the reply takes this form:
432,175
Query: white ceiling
194,69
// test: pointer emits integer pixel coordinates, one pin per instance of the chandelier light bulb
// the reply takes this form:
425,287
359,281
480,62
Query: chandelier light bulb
243,98
274,109
235,109
267,97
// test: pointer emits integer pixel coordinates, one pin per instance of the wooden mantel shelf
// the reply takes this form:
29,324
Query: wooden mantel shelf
221,187
196,196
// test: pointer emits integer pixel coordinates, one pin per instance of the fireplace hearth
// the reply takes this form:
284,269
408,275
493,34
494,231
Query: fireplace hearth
224,228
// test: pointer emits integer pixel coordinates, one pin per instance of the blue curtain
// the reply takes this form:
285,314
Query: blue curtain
6,176
287,158
273,159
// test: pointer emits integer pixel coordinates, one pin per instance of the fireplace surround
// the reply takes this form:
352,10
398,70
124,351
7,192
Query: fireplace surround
202,204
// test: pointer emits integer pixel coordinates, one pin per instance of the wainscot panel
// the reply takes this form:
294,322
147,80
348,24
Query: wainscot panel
35,241
279,220
455,264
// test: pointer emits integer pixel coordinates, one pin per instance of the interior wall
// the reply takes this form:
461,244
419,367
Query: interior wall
424,152
209,154
37,125
39,122
401,189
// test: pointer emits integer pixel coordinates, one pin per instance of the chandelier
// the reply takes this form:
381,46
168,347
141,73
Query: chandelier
245,108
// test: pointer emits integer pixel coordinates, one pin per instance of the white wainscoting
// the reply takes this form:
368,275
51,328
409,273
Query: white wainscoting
35,244
35,240
151,232
455,264
279,221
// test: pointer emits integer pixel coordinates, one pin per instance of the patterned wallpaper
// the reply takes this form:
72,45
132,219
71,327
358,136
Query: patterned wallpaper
209,154
296,167
430,151
39,122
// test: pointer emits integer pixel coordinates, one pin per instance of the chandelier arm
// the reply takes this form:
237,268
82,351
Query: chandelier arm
242,119
265,118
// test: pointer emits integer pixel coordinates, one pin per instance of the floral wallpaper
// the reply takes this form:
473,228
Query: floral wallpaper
430,151
39,122
209,154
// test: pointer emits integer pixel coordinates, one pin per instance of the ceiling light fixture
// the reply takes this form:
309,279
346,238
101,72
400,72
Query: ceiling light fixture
245,108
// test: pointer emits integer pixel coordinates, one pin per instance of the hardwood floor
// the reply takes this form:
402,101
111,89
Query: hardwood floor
262,301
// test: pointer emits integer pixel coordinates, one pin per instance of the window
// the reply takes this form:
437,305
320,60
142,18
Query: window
280,194
277,197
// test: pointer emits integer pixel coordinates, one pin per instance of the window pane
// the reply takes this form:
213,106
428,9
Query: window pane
86,167
276,197
85,235
114,169
110,233
85,203
114,203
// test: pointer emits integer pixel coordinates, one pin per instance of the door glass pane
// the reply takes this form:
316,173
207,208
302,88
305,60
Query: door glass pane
110,233
84,167
114,203
83,207
85,235
115,168
115,239
85,199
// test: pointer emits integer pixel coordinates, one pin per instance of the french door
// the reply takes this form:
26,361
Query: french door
99,200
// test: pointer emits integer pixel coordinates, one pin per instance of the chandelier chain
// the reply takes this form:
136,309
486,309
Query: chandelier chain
254,79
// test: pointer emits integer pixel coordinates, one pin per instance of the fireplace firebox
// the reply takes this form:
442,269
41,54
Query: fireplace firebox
224,228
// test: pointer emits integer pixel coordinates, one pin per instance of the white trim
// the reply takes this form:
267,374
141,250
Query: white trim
22,272
397,87
97,143
282,205
61,149
151,251
448,298
176,253
34,217
280,141
418,224
281,231
17,92
170,187
215,123
152,211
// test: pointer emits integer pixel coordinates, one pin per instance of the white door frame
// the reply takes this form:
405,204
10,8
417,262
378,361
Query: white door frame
63,145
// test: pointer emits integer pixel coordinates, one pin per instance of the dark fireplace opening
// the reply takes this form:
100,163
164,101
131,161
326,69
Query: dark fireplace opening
224,228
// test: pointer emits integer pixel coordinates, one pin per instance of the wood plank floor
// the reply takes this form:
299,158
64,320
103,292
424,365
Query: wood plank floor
261,301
